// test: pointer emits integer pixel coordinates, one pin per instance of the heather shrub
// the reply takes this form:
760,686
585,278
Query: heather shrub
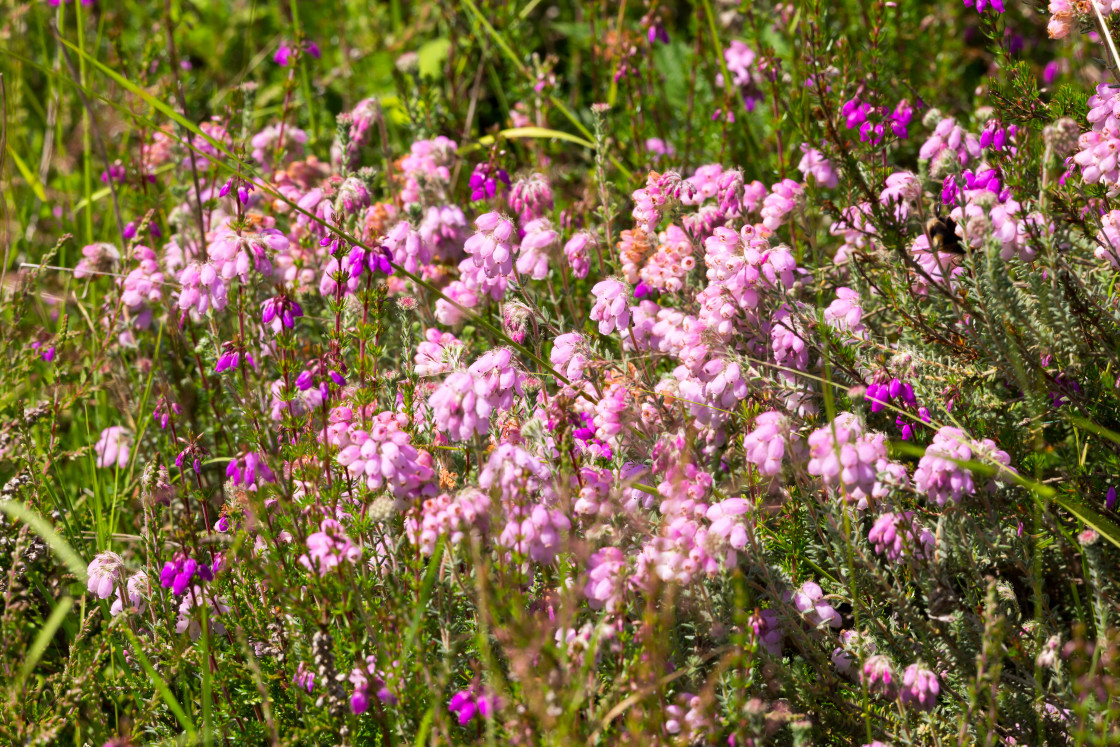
624,373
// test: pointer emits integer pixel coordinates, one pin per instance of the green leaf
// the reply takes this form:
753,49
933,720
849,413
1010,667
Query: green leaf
432,56
537,133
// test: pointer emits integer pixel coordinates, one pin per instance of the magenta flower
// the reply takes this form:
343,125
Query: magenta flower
611,310
280,312
476,700
484,181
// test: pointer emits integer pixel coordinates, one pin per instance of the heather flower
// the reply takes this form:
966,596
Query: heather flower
202,289
97,259
280,312
210,603
843,457
766,444
142,287
809,601
919,687
780,203
438,353
477,700
517,474
575,251
530,198
539,239
328,548
606,579
536,532
112,448
813,162
611,310
845,313
367,679
898,535
490,246
901,192
570,355
450,517
950,137
406,248
484,181
104,572
461,406
982,5
384,457
878,675
249,471
940,476
137,589
304,678
767,629
179,572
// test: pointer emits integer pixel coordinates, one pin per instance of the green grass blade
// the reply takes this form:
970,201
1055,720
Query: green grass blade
58,614
43,528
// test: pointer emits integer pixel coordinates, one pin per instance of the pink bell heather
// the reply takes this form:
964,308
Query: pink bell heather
450,517
137,589
982,5
444,229
878,675
846,459
304,678
845,314
384,457
940,478
517,474
485,181
539,240
667,268
142,288
265,143
367,680
856,229
1108,239
1100,146
609,412
950,137
691,726
536,532
462,294
766,444
570,355
499,375
809,601
606,580
740,60
438,353
97,259
196,602
767,629
427,170
594,492
919,688
611,309
788,342
530,198
104,572
780,203
202,289
234,254
407,247
901,192
813,162
112,448
898,535
328,548
490,246
461,406
727,535
279,313
575,251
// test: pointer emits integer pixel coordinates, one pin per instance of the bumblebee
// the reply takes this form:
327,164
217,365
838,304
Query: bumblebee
942,233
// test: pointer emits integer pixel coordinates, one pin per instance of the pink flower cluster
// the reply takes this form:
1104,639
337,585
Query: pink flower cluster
384,457
490,246
328,548
450,517
898,535
846,459
941,478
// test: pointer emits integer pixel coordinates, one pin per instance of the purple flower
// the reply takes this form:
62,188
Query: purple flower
1110,498
245,470
279,312
982,5
484,181
919,685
